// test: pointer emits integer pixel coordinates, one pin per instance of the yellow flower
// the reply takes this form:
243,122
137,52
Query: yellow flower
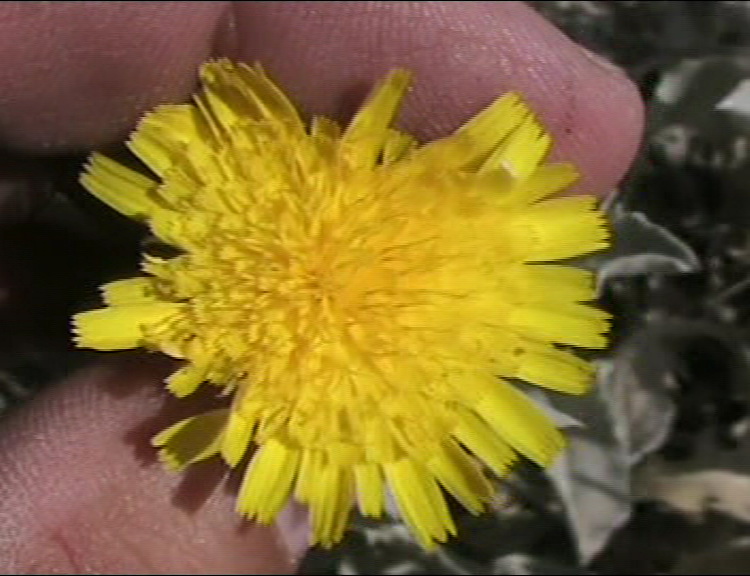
366,300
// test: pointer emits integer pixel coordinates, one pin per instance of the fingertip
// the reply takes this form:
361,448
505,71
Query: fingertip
601,124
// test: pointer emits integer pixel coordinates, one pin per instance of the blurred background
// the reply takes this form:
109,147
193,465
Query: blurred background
657,476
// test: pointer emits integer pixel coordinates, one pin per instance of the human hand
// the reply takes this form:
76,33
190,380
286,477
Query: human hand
81,489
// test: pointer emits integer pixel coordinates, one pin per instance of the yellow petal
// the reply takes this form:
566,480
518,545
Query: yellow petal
521,423
268,481
330,504
555,369
237,437
310,468
563,228
192,439
461,476
523,150
162,136
550,282
123,189
368,131
258,89
370,489
397,145
119,327
575,324
186,380
486,444
546,180
488,128
420,501
129,291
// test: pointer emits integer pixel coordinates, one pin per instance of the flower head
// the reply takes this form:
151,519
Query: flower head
366,301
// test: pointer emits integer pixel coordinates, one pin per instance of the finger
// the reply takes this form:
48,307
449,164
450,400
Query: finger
326,53
82,492
78,74
464,55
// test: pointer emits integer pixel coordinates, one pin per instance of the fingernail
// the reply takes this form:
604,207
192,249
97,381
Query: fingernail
601,62
293,527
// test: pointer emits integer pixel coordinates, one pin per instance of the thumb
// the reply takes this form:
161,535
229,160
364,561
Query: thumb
82,491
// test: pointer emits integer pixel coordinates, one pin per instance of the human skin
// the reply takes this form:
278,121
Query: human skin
81,490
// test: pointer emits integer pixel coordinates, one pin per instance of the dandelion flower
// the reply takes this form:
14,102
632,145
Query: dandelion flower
366,301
